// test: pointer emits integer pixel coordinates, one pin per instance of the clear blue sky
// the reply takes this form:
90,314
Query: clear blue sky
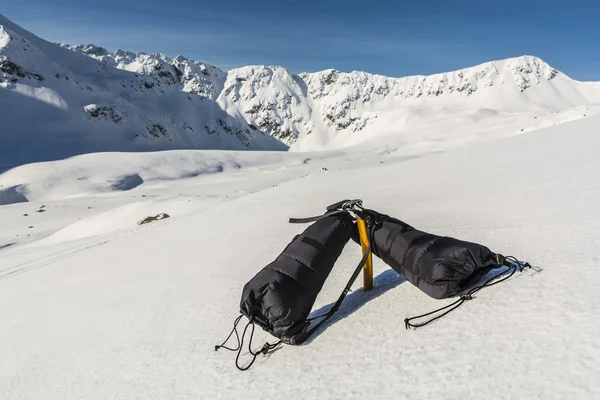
394,38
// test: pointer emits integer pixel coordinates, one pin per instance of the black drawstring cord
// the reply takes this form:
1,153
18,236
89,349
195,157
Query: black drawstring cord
455,305
264,350
237,358
509,261
222,345
266,347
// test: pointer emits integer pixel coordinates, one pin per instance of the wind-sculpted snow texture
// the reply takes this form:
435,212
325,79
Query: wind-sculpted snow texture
61,100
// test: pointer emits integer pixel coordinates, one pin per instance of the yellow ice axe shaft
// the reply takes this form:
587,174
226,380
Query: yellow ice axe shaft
368,268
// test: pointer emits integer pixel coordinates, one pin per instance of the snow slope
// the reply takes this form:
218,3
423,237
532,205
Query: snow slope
60,101
55,103
94,306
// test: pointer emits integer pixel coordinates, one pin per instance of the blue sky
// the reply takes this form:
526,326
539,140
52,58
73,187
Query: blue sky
394,38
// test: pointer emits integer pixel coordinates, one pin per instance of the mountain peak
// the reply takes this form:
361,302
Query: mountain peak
525,64
127,101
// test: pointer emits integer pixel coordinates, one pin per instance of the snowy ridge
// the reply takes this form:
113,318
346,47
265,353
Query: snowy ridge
66,100
523,70
61,102
198,78
340,92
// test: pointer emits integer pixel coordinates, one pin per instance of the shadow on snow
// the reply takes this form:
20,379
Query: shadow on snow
383,282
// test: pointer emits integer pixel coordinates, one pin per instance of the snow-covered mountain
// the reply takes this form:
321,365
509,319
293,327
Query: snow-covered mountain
61,100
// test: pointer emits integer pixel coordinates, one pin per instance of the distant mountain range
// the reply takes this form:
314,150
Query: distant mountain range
60,100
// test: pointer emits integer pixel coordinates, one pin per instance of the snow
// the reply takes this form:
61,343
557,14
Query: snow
4,37
148,103
94,306
65,100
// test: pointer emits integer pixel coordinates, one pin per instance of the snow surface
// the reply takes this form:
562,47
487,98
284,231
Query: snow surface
58,101
94,306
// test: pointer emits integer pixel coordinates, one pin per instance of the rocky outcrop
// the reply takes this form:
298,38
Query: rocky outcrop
109,113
